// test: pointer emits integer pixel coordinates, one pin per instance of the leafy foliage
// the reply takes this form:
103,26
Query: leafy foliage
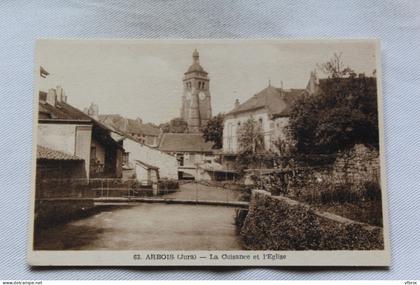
213,131
251,145
251,137
343,114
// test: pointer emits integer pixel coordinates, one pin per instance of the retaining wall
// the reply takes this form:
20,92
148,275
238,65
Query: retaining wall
59,200
280,223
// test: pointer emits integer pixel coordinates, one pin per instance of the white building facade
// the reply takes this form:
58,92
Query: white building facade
270,108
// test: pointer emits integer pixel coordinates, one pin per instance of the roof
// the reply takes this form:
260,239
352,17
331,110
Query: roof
147,165
277,101
184,142
120,123
195,67
216,167
64,112
51,154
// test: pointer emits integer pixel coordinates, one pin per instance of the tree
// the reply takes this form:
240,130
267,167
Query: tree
335,68
251,146
251,137
343,114
213,131
176,125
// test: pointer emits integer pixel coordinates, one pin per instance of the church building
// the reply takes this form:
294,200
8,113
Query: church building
190,148
196,101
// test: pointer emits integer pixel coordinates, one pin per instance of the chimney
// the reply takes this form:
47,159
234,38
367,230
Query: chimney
125,125
64,97
237,103
60,94
93,111
51,97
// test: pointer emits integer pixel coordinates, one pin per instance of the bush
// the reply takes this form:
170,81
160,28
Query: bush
372,191
168,184
340,194
246,193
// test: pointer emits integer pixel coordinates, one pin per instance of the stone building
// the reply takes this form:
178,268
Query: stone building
270,108
66,129
146,133
138,155
196,100
190,150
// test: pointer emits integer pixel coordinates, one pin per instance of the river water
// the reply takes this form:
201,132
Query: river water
148,227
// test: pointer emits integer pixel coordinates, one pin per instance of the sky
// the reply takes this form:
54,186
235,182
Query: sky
143,78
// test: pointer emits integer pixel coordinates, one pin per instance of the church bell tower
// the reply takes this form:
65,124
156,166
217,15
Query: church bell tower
196,101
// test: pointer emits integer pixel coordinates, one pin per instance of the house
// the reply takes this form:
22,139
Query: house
137,152
146,133
147,174
270,107
190,150
64,128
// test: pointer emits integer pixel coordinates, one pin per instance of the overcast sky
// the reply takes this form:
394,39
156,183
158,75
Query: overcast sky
144,78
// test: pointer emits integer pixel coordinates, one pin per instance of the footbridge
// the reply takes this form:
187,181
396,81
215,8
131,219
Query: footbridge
187,193
117,201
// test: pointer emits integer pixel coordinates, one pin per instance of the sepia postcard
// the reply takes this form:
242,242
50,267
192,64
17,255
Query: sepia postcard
208,153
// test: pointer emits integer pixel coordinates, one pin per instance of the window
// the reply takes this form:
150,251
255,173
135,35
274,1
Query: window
125,158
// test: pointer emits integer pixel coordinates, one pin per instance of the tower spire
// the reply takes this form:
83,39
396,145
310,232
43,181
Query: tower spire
196,56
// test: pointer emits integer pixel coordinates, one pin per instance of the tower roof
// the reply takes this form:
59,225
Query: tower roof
195,66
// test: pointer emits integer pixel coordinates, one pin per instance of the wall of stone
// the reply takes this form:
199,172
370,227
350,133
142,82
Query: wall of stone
58,200
280,223
356,167
352,168
49,212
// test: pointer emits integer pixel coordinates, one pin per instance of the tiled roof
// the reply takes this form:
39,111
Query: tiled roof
146,129
51,154
180,142
276,100
120,123
65,111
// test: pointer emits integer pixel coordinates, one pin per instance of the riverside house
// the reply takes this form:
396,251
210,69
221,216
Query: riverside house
65,129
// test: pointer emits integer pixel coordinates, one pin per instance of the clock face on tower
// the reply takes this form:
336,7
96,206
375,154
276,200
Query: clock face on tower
202,95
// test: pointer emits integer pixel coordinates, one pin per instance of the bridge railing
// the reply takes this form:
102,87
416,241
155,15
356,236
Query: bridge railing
209,191
132,188
93,188
115,187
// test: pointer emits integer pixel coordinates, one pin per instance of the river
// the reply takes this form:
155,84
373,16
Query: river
150,227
